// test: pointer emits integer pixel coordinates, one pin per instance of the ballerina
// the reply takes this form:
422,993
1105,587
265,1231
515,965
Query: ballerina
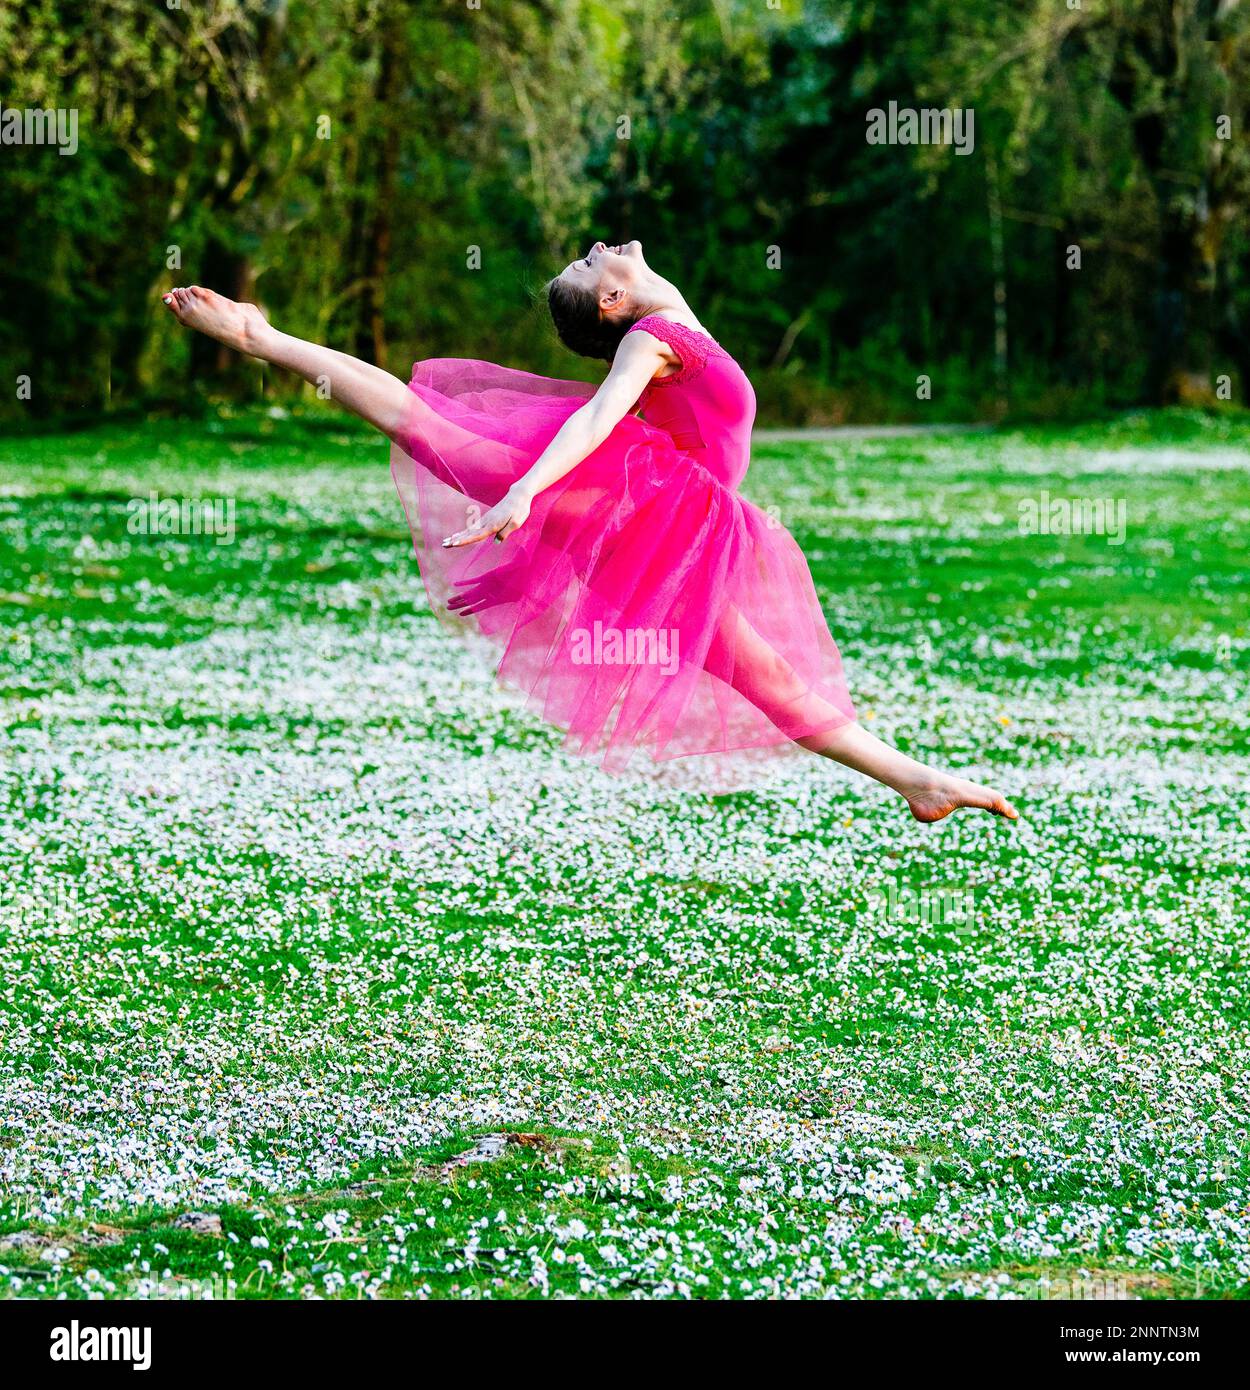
637,598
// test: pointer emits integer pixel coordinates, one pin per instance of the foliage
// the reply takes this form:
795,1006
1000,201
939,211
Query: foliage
340,161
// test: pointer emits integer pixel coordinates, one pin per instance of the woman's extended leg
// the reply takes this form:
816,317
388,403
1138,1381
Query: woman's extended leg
772,684
931,795
365,390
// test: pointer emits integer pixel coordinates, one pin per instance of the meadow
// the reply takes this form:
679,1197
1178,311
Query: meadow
324,971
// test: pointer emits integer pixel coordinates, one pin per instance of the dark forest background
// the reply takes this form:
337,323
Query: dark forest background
338,161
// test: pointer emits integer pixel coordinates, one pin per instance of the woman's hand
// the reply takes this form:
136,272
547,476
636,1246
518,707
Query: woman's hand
504,517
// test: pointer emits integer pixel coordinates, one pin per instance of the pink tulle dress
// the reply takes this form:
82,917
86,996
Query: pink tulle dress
645,604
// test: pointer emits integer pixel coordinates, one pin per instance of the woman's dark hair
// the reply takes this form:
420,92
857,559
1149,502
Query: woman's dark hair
575,313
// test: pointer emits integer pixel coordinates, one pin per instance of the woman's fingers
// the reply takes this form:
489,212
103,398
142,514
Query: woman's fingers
500,529
480,533
469,537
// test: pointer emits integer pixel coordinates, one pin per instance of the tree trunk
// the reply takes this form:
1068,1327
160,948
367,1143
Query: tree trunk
999,263
221,266
1062,305
370,336
1185,310
229,273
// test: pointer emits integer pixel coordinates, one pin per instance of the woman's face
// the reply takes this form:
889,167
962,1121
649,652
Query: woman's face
604,269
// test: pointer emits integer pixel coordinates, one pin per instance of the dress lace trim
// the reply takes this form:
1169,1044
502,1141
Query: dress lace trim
692,348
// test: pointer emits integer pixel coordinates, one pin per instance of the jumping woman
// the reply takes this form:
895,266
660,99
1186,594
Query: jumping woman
637,598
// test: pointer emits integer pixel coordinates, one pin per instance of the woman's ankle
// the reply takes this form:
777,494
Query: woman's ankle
259,337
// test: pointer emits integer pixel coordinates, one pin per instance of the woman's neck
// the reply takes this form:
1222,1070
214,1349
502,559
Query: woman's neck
660,296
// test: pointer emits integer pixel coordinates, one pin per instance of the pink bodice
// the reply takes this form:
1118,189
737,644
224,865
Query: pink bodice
707,405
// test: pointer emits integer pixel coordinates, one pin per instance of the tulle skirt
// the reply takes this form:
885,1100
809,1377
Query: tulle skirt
644,605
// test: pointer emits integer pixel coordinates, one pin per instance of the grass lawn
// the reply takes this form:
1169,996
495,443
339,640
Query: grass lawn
297,905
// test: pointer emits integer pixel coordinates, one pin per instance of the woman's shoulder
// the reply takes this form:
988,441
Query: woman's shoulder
665,328
690,346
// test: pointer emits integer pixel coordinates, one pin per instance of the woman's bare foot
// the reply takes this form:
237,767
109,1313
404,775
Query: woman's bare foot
239,326
931,795
945,794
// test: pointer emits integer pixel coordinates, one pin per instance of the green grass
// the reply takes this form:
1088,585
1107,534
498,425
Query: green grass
297,904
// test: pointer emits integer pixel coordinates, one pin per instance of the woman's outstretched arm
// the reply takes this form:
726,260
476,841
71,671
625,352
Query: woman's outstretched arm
385,402
637,360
